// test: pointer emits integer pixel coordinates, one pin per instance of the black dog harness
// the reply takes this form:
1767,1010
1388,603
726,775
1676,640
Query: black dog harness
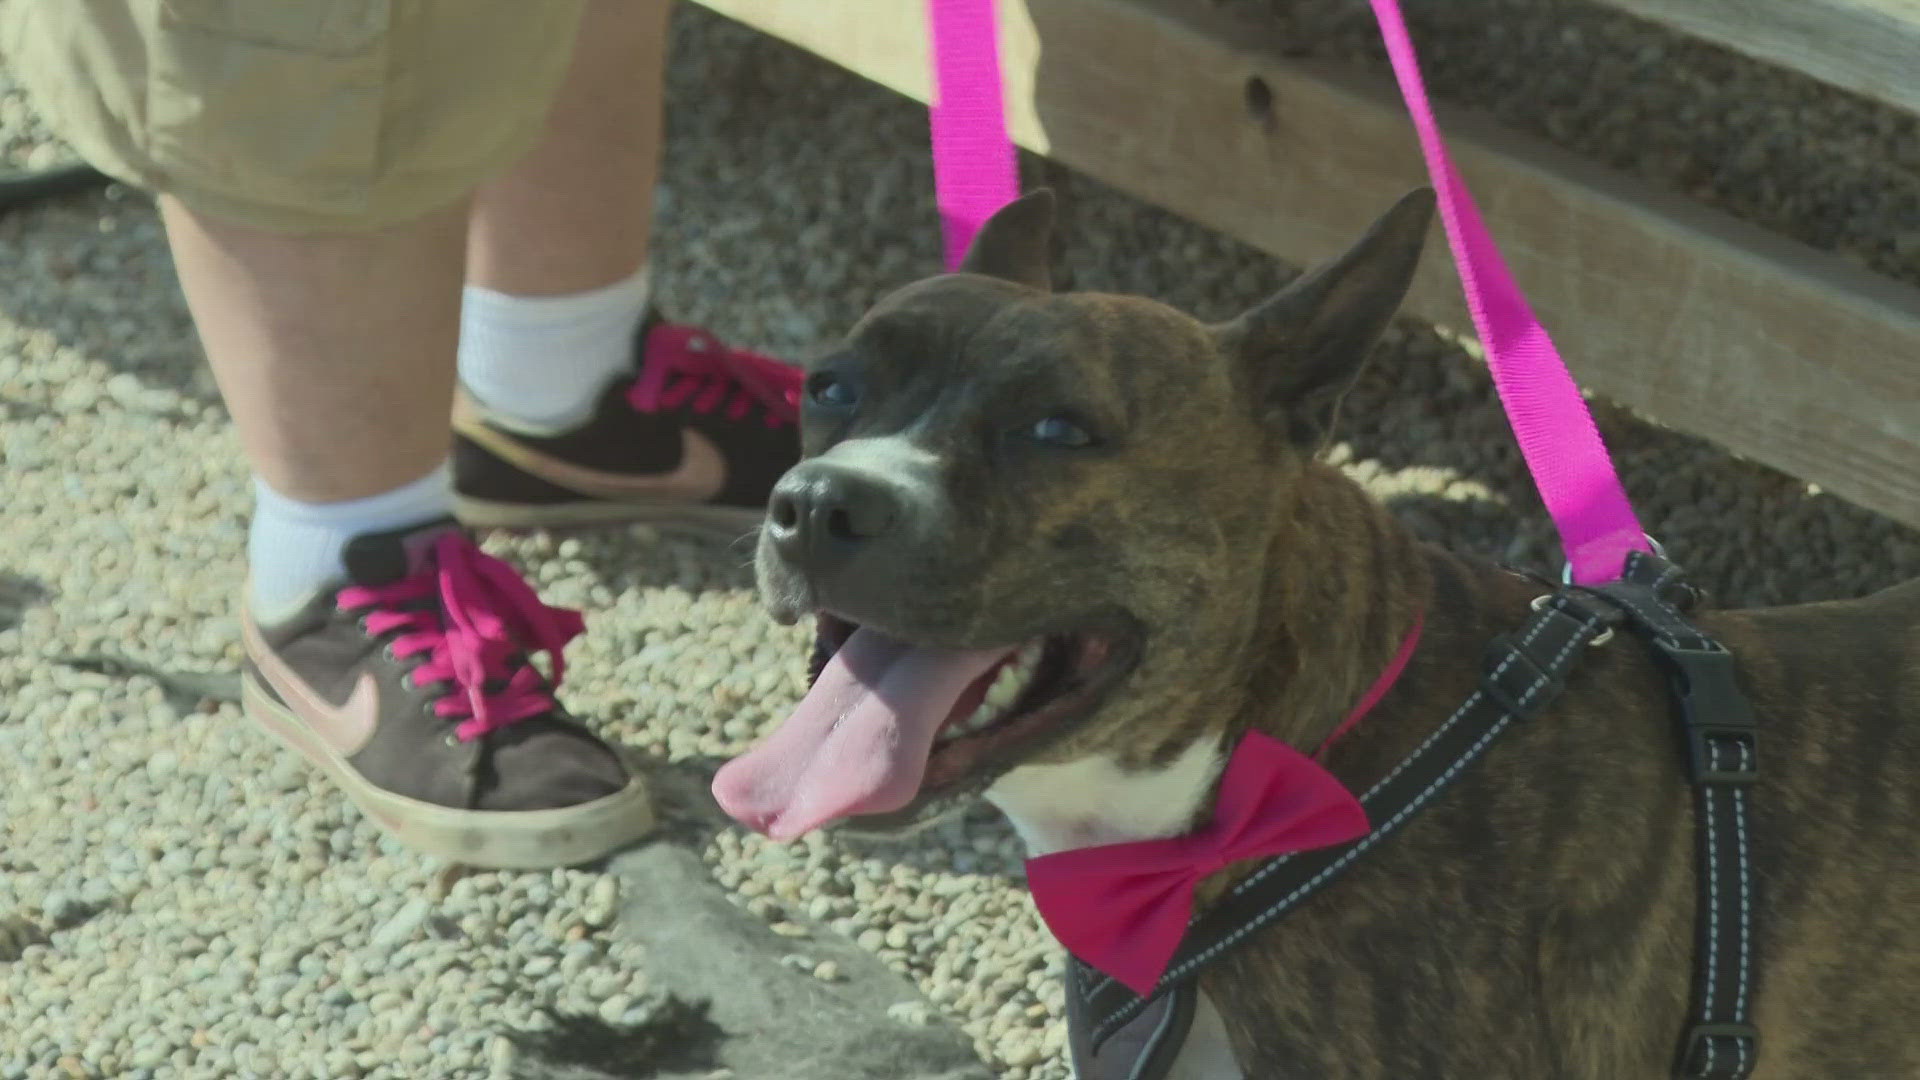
1115,1034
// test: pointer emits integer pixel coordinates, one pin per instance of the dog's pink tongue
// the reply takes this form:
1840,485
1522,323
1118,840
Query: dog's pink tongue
858,743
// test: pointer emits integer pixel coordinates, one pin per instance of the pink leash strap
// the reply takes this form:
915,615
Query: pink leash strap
975,171
1557,437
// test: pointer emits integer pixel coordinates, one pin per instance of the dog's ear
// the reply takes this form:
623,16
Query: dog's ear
1013,244
1303,348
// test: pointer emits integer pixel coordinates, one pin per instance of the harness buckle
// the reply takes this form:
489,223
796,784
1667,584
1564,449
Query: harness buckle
1693,1057
1722,755
1722,733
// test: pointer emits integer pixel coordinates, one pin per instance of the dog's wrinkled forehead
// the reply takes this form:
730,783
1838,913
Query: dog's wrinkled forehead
985,340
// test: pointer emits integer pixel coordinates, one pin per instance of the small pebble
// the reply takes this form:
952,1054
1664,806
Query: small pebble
910,1013
402,925
614,1009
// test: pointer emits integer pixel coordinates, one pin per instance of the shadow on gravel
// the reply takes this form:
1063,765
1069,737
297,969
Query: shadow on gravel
94,272
186,691
780,1018
679,1037
12,408
18,593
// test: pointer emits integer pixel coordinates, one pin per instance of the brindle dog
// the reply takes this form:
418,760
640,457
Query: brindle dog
1069,547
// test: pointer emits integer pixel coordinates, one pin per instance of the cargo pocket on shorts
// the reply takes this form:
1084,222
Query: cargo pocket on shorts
275,104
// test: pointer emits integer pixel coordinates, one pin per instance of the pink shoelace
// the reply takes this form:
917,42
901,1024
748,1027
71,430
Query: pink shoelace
685,365
475,621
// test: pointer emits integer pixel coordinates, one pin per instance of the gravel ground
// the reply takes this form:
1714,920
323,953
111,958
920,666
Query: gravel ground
178,897
25,140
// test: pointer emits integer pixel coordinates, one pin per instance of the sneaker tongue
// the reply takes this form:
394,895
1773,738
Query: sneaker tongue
858,743
376,559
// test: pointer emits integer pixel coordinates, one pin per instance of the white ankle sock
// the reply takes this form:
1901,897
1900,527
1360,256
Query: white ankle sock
294,548
542,362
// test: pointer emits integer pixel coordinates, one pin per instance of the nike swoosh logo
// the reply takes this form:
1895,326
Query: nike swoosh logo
699,476
345,727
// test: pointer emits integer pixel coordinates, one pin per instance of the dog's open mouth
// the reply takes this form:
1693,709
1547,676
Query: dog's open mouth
1025,692
887,723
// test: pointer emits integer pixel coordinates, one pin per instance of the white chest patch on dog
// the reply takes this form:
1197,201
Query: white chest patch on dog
1095,801
1091,802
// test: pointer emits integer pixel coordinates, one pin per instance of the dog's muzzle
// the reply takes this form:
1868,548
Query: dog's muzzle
821,515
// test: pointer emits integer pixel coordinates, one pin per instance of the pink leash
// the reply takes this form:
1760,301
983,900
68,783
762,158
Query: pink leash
975,174
1556,433
974,169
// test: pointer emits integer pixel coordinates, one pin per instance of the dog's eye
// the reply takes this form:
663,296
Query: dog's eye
1059,431
830,390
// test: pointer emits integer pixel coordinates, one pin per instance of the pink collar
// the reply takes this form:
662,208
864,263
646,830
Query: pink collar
1380,686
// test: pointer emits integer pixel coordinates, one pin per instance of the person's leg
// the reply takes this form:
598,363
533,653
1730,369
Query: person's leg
334,355
557,249
382,643
579,405
353,407
575,215
329,406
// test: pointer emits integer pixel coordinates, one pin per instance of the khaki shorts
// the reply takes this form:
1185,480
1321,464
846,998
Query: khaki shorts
295,115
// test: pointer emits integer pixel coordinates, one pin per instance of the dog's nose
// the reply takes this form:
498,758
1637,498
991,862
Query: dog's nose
819,513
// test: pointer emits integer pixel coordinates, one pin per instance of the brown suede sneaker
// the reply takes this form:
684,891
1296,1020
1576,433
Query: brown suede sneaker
412,688
694,438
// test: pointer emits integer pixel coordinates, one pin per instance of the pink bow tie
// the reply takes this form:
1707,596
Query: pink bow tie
1123,908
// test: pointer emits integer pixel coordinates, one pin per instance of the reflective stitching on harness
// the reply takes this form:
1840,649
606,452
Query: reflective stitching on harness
1713,913
1670,630
1746,906
1713,930
1672,571
1740,827
1153,1043
1499,669
1656,625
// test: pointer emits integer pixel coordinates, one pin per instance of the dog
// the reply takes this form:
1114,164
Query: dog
1064,549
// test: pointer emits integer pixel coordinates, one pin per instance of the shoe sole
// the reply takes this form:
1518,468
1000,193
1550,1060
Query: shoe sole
725,523
490,839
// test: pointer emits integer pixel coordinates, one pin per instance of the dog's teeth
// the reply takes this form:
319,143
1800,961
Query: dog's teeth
983,716
1004,689
1014,677
1025,663
1007,686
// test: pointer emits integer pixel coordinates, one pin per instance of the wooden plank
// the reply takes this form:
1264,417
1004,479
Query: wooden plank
1774,351
1869,47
